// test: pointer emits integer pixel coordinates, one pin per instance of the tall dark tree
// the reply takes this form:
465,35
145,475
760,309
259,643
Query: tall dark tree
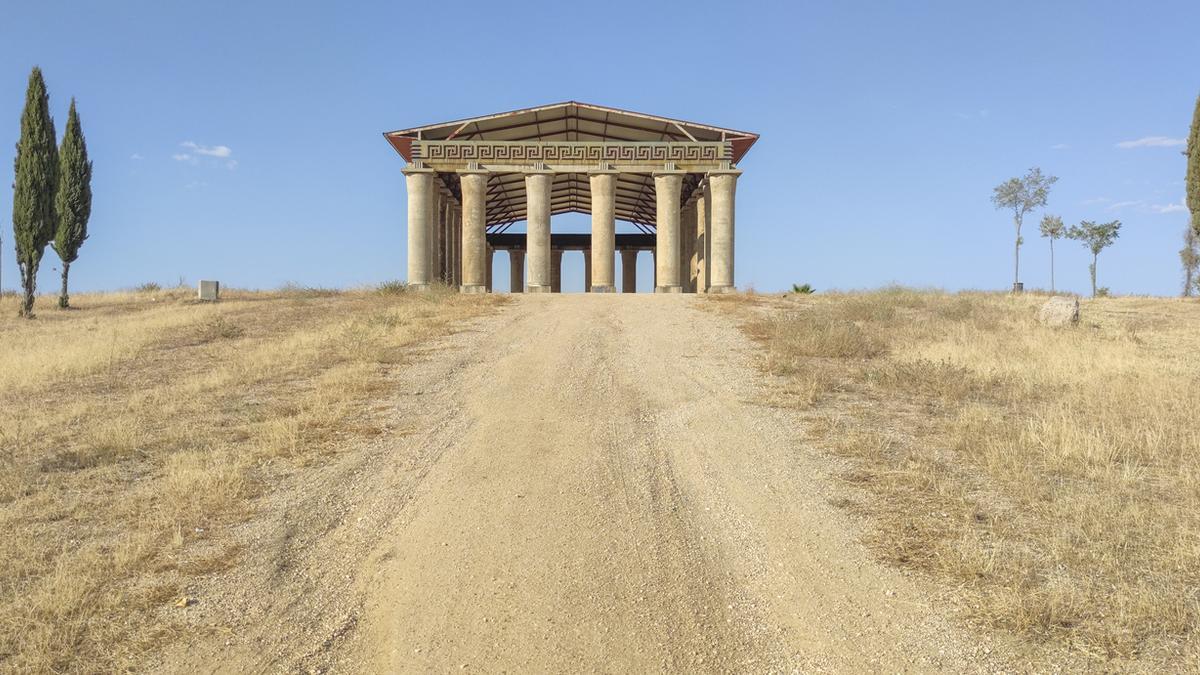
1022,195
34,187
1193,169
1189,259
74,200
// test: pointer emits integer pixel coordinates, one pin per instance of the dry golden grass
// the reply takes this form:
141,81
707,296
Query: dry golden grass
1049,477
133,428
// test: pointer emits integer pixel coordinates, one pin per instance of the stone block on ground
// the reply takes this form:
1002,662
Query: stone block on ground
210,290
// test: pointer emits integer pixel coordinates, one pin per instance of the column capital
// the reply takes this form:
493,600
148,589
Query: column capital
725,172
473,172
603,172
411,169
539,172
668,172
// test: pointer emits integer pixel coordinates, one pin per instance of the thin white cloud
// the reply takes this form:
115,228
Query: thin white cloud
135,157
209,155
1096,200
972,115
1152,142
1117,206
1060,146
1177,207
219,151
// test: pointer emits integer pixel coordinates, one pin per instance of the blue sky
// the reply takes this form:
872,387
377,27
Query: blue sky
241,141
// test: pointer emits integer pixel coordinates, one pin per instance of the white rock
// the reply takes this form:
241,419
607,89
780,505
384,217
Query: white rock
1060,311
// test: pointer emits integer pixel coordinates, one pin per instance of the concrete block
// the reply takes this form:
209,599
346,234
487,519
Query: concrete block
210,290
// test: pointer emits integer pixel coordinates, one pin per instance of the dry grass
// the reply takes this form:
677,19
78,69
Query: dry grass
134,429
1050,477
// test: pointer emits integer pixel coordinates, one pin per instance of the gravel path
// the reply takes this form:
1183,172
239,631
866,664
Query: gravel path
579,482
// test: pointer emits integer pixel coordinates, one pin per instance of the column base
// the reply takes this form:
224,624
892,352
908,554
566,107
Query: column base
420,287
668,289
719,290
473,289
539,289
603,289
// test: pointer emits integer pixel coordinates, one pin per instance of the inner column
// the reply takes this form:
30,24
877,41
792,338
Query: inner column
556,271
629,270
516,270
587,270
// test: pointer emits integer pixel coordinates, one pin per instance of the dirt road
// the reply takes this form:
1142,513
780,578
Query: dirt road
579,482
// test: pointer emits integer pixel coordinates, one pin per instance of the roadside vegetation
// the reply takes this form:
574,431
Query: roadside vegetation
1048,479
134,431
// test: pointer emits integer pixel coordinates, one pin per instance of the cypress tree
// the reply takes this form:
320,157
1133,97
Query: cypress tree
1193,169
34,186
74,200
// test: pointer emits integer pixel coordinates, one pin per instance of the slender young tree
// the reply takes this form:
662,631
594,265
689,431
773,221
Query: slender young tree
34,186
1189,259
1052,228
1022,195
74,200
1096,237
1193,169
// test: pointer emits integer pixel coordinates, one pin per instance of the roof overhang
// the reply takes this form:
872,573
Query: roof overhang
571,125
572,121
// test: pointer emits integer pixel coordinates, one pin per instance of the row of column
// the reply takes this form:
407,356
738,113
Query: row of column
516,272
693,244
434,227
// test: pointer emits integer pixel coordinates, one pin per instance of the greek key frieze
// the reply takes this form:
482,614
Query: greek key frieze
569,152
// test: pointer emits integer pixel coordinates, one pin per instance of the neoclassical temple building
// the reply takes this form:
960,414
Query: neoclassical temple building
470,180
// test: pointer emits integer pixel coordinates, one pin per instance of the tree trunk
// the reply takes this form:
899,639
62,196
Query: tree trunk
1017,257
1052,265
63,300
1094,257
28,284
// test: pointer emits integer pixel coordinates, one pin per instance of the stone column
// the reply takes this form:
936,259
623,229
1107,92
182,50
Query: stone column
601,258
491,255
703,217
458,254
667,185
687,246
516,270
448,243
474,230
556,271
537,239
435,220
722,186
420,189
454,233
629,271
587,270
